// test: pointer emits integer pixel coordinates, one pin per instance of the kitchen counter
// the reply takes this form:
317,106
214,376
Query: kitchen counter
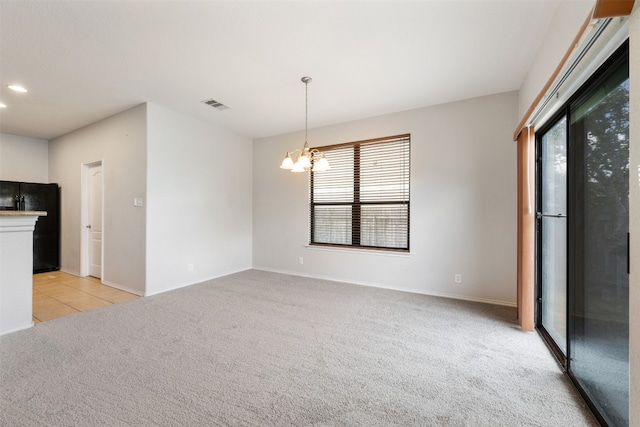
23,213
16,269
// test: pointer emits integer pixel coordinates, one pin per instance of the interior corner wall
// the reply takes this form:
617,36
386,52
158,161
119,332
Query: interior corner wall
24,159
634,220
198,201
564,26
463,203
120,142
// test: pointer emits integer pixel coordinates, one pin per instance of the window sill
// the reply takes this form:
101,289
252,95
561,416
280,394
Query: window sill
379,252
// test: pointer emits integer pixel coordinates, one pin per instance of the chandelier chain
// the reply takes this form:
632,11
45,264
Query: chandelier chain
309,159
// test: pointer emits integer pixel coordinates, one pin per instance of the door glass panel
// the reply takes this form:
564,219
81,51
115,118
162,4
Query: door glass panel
553,278
554,169
599,330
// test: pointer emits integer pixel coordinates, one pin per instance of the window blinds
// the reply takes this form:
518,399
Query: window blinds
363,200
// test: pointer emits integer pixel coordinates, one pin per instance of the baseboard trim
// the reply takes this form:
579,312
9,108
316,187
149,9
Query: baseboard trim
106,282
75,273
20,328
148,294
122,288
394,288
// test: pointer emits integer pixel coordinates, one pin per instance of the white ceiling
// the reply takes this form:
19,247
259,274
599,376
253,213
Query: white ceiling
85,60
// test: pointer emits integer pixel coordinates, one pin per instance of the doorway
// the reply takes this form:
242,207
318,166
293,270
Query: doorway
582,234
92,220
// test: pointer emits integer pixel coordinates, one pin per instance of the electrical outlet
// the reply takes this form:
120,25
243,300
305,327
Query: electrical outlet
190,267
300,260
457,278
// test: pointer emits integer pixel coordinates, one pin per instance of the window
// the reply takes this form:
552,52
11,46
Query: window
363,200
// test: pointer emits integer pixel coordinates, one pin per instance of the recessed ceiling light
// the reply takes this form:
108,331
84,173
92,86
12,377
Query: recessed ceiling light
17,88
2,105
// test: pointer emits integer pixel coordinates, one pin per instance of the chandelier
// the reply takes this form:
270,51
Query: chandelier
308,158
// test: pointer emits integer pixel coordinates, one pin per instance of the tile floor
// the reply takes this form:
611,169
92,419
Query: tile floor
57,294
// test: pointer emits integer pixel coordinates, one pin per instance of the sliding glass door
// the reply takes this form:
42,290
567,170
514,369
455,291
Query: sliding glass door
583,224
599,303
552,229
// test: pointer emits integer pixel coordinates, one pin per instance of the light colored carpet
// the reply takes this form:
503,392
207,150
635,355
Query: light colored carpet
262,349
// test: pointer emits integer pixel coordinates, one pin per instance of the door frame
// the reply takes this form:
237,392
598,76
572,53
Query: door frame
574,262
549,340
84,214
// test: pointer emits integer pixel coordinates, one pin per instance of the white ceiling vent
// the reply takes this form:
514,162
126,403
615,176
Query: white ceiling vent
215,104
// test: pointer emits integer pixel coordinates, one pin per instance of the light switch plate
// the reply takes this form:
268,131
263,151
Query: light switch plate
137,202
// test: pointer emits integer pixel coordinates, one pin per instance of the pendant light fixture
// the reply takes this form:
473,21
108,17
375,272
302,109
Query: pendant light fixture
308,159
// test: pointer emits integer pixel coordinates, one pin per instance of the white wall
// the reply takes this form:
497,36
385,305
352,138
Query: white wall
120,142
634,220
24,159
569,17
198,200
463,203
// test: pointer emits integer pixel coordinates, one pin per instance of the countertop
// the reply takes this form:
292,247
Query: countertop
23,213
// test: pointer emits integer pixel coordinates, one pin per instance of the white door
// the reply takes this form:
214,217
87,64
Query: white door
95,221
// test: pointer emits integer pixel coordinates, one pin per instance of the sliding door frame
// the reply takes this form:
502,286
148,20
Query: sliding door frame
553,346
575,261
576,177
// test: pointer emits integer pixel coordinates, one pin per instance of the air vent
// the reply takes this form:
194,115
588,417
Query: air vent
215,104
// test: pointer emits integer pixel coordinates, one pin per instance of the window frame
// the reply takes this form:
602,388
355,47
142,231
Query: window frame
356,204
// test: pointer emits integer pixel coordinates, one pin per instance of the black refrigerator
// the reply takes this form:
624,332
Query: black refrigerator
46,236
